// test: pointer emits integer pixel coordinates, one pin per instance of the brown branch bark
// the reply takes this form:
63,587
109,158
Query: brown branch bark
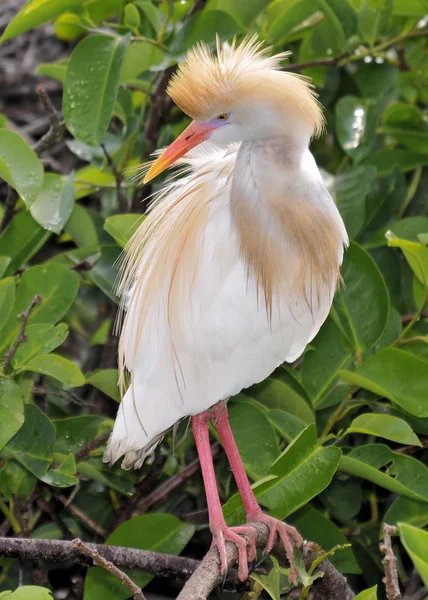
100,561
390,580
166,488
9,208
204,576
56,131
332,586
121,199
21,337
84,451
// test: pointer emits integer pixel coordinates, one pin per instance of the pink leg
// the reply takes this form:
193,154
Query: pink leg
252,509
221,532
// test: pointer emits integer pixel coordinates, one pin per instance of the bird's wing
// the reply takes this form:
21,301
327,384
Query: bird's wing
205,332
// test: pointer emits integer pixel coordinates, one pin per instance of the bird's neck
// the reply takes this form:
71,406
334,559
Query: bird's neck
288,229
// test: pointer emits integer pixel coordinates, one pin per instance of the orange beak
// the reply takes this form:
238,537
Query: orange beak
192,136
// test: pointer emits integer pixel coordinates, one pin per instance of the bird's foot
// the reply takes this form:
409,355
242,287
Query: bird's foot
287,534
224,534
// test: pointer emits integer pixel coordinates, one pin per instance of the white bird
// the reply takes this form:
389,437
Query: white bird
234,269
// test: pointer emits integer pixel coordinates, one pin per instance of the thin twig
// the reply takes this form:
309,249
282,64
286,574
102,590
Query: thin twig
411,448
165,489
390,564
121,199
100,561
9,208
321,62
85,450
411,316
56,131
21,337
141,488
82,516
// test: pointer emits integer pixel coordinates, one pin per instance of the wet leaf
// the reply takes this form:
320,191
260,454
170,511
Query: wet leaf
20,166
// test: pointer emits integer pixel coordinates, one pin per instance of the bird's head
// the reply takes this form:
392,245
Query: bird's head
240,94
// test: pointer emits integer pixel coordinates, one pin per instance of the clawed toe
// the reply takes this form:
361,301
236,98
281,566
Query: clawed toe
246,554
287,534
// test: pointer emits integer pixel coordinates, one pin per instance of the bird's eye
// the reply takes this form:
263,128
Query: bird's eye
222,117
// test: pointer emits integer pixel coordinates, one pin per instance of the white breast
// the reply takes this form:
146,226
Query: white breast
224,341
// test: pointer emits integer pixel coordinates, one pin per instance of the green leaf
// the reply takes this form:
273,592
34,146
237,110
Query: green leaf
41,339
140,57
35,13
416,255
370,594
404,475
361,307
105,270
20,166
7,298
91,85
11,410
15,480
33,445
94,469
80,227
57,286
275,392
415,542
388,159
406,229
21,239
74,432
301,472
356,123
335,30
407,510
255,438
123,227
63,370
286,16
203,26
286,425
410,8
56,70
155,532
321,366
63,475
385,426
131,17
314,526
372,18
27,592
106,380
4,263
396,375
242,11
350,190
55,202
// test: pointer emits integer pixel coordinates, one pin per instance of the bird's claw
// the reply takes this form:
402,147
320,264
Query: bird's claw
287,534
246,553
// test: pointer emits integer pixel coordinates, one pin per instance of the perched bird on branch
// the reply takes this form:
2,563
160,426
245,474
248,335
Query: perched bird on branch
234,269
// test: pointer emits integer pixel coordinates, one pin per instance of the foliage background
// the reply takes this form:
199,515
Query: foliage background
345,428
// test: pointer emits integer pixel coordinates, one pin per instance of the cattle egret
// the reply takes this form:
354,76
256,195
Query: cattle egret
232,272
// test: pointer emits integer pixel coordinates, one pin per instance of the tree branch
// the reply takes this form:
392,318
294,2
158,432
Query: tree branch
56,130
121,199
155,563
165,489
100,561
9,208
84,451
21,337
332,586
390,564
